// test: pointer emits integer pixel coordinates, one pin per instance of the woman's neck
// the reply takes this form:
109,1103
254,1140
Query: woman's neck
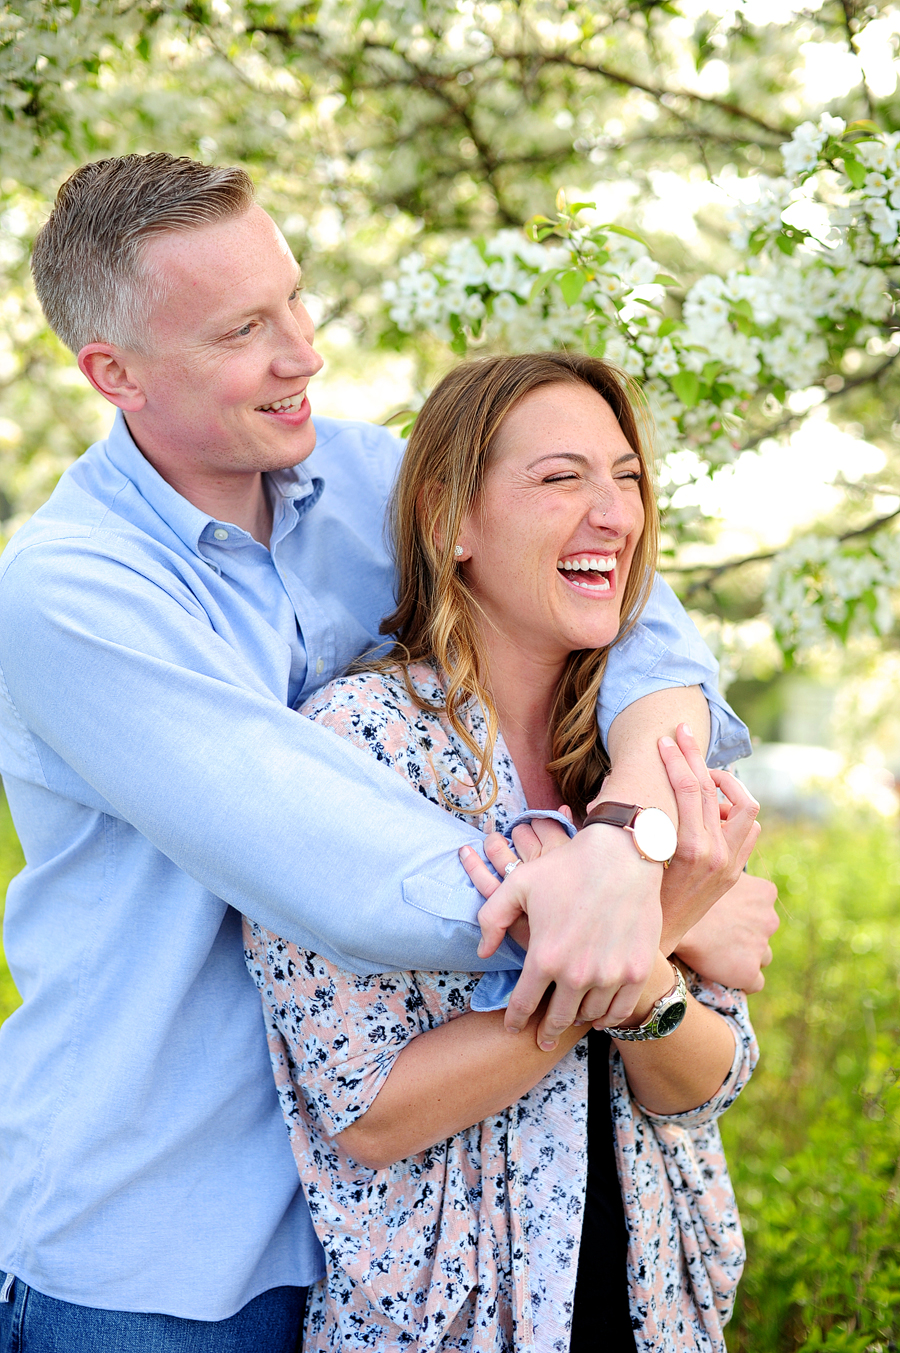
523,689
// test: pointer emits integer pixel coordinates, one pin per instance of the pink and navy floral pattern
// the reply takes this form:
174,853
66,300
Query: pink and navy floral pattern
473,1244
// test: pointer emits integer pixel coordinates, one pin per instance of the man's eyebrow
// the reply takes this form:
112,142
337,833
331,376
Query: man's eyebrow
236,320
578,459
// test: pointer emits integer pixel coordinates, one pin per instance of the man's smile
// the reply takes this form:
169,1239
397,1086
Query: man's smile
289,405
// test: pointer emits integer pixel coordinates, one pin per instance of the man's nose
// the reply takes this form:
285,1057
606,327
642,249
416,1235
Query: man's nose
296,355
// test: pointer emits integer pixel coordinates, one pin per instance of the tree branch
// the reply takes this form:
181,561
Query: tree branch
790,419
657,92
712,572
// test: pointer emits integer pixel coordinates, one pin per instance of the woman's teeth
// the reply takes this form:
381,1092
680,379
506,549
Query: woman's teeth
281,405
599,567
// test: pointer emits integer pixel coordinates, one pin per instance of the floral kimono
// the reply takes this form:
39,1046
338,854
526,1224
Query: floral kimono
473,1244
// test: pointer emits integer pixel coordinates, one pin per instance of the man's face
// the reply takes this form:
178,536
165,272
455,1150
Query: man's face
231,354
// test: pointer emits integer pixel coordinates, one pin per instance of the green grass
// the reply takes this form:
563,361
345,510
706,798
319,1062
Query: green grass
814,1141
11,861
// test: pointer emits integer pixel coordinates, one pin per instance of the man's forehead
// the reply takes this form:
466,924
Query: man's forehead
233,264
235,241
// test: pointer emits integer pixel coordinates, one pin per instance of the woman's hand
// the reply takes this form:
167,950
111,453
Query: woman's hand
730,944
715,838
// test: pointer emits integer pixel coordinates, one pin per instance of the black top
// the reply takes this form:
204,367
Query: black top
601,1321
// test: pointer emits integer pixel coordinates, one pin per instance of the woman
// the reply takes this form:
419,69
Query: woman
445,1163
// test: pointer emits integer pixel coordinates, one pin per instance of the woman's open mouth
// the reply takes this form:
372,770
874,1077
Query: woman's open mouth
589,572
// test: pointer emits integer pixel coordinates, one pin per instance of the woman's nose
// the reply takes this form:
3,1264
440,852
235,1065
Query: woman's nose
610,511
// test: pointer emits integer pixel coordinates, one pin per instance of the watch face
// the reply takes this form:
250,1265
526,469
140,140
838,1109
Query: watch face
670,1018
654,834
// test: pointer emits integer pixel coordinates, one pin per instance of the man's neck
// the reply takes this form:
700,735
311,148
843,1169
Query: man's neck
240,499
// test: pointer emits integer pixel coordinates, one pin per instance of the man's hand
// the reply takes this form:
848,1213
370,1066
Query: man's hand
592,906
731,943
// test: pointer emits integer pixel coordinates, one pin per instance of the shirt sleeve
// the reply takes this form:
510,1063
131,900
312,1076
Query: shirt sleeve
118,694
664,650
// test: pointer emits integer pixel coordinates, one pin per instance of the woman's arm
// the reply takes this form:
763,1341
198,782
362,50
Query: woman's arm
686,1068
462,1072
446,1080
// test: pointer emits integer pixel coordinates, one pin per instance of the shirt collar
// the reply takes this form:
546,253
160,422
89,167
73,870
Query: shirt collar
294,486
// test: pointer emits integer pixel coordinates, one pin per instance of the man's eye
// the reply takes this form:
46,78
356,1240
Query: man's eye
245,332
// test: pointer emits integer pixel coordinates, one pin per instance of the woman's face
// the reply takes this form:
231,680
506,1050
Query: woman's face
548,544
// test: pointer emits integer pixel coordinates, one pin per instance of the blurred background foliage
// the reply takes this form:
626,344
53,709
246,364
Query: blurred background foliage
375,128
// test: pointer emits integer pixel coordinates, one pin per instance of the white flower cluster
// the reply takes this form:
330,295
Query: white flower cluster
820,589
873,206
801,153
767,325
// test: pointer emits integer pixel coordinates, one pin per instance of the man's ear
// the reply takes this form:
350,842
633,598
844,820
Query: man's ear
112,374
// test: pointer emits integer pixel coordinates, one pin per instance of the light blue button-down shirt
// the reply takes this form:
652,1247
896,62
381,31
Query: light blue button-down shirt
161,784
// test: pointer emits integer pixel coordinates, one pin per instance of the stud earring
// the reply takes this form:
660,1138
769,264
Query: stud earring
459,551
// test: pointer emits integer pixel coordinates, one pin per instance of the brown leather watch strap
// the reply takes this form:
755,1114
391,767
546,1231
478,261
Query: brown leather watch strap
612,814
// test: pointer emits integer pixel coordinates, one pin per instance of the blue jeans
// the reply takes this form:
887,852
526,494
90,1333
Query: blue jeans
33,1323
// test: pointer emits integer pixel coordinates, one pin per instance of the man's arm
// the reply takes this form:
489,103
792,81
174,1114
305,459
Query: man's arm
119,694
663,650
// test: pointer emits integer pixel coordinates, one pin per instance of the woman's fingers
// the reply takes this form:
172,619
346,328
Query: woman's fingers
685,780
738,820
481,874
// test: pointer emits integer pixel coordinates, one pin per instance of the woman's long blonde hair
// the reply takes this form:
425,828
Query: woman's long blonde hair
435,617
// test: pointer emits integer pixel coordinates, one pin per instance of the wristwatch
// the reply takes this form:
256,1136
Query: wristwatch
652,830
664,1018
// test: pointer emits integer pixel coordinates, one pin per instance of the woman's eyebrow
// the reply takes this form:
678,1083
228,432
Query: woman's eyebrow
559,455
578,459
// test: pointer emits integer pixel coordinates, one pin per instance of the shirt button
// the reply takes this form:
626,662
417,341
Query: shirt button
220,534
320,666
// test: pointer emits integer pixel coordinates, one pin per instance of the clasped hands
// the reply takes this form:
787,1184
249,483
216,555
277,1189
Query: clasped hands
593,915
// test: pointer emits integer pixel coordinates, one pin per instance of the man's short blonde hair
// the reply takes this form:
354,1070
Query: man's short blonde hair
89,269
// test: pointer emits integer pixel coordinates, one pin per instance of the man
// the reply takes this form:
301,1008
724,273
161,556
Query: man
191,579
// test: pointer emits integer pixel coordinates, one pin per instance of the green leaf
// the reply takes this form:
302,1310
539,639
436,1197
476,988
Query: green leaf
710,371
686,385
458,345
75,7
665,280
668,326
855,170
629,234
571,284
541,283
576,207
